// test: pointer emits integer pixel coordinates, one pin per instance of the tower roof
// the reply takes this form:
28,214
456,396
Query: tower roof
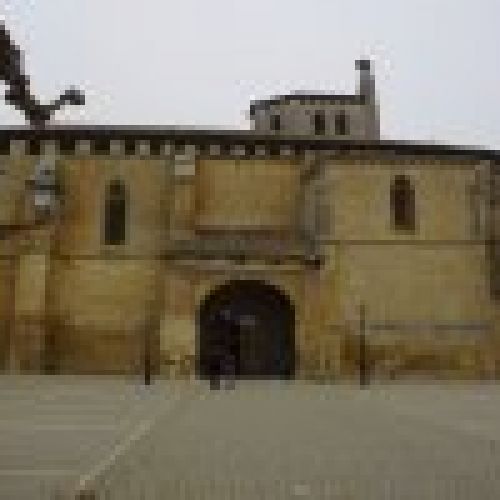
306,98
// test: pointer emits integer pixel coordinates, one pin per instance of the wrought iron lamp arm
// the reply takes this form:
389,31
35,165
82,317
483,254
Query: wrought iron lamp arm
19,94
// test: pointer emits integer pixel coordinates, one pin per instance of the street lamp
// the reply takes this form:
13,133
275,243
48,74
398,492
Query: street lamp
364,378
45,190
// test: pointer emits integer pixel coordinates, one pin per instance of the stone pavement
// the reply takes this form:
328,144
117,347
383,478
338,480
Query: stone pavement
54,431
266,440
262,441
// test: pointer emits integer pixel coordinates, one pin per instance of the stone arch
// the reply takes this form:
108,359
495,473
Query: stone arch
254,322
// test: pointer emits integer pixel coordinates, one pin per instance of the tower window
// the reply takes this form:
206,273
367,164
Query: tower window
115,216
275,122
319,123
341,123
403,203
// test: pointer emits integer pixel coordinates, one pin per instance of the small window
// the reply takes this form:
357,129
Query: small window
403,203
115,216
319,123
275,122
341,124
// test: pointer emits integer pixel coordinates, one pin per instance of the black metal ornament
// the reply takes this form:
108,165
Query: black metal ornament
18,92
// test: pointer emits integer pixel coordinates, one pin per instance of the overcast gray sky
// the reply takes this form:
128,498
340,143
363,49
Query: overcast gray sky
199,62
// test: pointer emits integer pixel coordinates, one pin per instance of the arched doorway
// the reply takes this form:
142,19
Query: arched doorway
254,322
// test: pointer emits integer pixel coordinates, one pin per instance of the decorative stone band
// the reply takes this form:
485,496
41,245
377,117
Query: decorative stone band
260,150
166,149
248,248
143,148
49,149
163,142
238,150
83,147
116,147
17,147
435,326
214,150
466,326
184,166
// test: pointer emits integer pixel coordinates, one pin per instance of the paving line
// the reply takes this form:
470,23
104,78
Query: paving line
86,481
35,472
17,426
464,429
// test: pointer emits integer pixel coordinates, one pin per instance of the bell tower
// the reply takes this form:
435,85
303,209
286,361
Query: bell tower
367,91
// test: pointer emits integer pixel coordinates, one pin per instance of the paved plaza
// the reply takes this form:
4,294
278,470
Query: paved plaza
61,437
57,431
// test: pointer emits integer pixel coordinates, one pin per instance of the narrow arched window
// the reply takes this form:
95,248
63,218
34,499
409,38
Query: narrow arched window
319,123
115,213
403,203
341,123
275,122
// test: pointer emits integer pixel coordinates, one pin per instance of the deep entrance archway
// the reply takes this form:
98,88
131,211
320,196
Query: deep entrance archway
250,322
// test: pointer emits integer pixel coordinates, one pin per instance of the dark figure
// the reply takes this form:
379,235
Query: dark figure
229,361
18,93
224,352
216,350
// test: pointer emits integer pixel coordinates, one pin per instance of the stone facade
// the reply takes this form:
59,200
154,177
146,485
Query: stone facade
310,217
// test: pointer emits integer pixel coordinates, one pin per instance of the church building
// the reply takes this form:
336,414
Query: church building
307,248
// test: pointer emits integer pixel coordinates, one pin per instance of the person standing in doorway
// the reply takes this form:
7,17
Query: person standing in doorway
217,350
231,354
